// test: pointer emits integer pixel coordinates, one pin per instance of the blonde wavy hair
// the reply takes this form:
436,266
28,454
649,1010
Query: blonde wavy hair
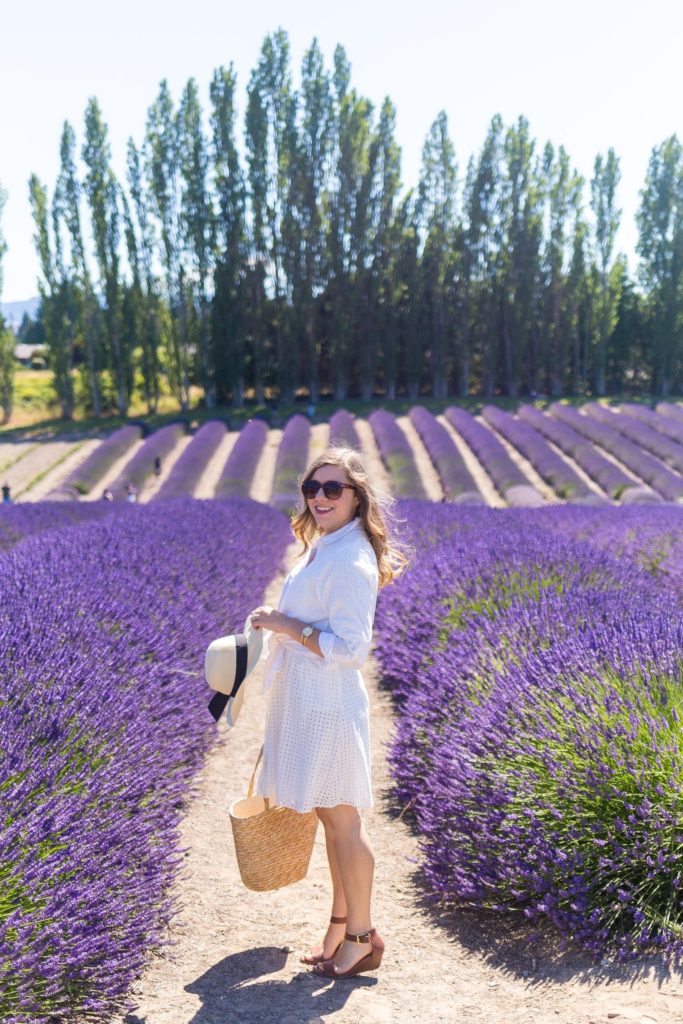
374,511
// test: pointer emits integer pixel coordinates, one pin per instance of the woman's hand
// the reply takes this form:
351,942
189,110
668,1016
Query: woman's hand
265,617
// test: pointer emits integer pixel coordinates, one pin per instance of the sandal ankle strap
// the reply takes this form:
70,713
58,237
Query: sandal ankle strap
337,920
361,936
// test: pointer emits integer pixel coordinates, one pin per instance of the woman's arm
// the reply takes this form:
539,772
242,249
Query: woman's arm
349,594
265,617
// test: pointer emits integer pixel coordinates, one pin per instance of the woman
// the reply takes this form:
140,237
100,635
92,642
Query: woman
317,740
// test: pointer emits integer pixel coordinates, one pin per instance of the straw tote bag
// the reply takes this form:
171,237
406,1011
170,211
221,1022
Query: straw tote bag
273,844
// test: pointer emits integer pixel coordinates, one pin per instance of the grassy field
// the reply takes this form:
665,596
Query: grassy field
36,414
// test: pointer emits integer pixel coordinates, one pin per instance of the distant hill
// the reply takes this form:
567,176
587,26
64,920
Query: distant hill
13,312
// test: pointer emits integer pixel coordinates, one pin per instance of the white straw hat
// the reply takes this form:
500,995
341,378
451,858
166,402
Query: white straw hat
227,663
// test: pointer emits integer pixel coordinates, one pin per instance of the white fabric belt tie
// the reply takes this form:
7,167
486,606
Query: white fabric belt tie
276,645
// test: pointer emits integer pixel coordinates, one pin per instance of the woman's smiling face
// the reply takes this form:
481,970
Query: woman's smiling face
330,514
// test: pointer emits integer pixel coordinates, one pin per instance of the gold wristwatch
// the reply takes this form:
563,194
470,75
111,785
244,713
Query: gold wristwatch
306,632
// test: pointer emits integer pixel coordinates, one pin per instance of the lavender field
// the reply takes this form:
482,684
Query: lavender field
590,455
103,726
533,655
537,680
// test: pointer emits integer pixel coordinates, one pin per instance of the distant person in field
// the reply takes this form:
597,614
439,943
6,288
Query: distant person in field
6,495
157,466
107,495
316,750
131,492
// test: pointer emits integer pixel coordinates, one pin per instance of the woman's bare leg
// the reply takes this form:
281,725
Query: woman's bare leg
335,932
356,864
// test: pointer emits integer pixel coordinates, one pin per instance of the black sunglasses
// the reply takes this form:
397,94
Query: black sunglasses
332,489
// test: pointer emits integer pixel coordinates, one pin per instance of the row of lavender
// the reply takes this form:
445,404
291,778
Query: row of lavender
635,455
538,695
104,725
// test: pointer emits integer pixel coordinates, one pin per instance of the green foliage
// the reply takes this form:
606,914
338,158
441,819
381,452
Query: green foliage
7,371
302,267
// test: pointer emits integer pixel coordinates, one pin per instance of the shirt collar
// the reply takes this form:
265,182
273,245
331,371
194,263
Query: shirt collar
330,538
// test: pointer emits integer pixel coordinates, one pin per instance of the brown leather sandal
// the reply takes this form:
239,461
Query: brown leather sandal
370,962
314,958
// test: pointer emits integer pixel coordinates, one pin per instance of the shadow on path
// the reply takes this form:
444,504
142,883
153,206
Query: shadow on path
237,989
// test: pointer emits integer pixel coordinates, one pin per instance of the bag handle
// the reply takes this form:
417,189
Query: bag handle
250,790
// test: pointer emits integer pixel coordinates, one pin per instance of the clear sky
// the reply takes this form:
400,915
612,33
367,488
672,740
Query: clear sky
588,74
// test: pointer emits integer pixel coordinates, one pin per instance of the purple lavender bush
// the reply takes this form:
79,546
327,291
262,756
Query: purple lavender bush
456,479
240,466
343,430
141,466
30,518
104,726
640,433
86,476
641,463
397,455
291,462
651,538
667,425
613,480
671,409
538,738
508,478
547,463
188,469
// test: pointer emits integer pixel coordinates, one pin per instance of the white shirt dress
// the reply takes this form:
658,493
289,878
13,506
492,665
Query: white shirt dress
316,748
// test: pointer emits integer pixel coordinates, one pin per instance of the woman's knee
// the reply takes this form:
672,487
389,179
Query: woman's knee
341,821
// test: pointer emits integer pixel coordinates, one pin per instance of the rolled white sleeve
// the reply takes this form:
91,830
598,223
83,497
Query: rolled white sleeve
349,593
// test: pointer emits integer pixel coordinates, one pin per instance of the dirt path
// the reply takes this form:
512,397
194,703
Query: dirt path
56,476
320,433
153,484
535,481
484,483
236,952
431,480
13,451
376,469
113,473
206,486
40,459
594,487
262,484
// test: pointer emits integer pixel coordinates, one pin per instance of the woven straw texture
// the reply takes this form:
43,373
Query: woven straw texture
273,844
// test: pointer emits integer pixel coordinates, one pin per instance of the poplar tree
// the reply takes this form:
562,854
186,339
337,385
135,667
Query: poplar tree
102,193
520,249
577,304
57,300
436,212
603,204
163,174
348,205
660,247
230,291
483,267
140,243
386,243
67,208
560,184
310,169
196,226
407,294
271,144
